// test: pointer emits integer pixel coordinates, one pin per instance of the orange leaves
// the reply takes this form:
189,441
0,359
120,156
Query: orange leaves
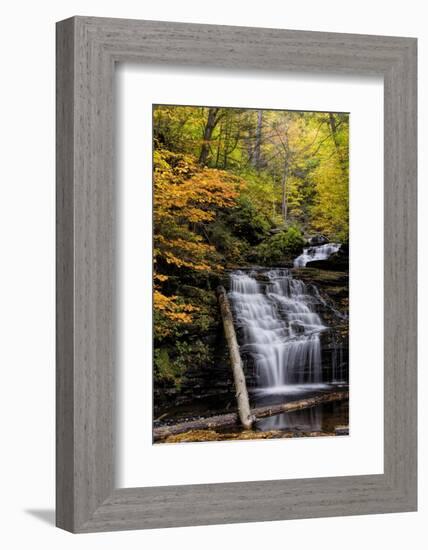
184,191
170,258
159,277
172,309
186,196
185,253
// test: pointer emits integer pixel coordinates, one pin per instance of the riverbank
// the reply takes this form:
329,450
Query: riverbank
322,413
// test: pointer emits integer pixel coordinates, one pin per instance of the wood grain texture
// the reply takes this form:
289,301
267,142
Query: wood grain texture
87,49
64,277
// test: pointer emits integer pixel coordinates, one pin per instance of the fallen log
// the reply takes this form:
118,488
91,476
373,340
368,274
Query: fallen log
230,420
263,412
235,360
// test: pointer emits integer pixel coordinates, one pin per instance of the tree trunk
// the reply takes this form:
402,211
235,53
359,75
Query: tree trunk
219,145
332,124
284,192
235,360
208,131
231,419
333,131
226,140
258,142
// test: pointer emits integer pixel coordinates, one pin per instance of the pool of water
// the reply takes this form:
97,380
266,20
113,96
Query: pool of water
324,418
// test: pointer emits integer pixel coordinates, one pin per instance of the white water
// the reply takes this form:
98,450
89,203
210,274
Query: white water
313,253
279,328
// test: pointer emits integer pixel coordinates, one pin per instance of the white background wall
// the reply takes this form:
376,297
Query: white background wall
27,272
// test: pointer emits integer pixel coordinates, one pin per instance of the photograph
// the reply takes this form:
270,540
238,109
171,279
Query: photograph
250,273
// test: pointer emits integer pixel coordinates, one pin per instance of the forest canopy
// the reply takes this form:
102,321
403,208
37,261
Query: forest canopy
235,187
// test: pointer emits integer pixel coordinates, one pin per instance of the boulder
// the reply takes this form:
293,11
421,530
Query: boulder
339,261
318,240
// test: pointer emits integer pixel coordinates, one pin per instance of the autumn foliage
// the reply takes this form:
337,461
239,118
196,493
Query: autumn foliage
186,197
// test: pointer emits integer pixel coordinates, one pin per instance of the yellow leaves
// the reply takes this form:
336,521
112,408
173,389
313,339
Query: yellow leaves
185,197
170,258
173,309
183,190
182,253
331,210
160,277
162,302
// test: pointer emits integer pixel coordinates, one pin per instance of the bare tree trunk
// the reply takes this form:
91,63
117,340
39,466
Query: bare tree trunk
333,131
235,359
284,192
258,142
219,145
226,140
208,131
232,419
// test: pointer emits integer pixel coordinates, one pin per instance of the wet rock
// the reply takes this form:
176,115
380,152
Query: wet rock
336,262
276,230
339,261
333,290
318,240
342,430
323,278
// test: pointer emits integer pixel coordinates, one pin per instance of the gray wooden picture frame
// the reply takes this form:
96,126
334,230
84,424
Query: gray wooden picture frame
87,50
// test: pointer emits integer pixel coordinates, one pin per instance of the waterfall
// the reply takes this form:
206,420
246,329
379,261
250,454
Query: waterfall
278,328
314,253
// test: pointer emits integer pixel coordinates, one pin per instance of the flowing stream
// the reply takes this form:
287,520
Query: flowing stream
313,253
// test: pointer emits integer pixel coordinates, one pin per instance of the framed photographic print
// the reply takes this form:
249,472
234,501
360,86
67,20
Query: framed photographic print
236,265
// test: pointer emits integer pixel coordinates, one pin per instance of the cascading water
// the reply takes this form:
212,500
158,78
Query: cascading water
314,253
278,328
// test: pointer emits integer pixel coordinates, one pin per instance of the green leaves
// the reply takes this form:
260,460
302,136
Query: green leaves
279,248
